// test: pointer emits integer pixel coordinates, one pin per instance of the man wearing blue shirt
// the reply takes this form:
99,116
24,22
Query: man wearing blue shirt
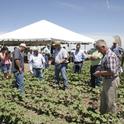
118,50
18,67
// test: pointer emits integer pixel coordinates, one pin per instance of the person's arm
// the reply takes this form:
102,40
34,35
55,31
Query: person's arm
122,61
103,73
17,62
96,56
17,59
65,60
111,65
84,56
65,57
43,59
2,56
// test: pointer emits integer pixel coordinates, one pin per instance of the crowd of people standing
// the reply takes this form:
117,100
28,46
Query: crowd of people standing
106,65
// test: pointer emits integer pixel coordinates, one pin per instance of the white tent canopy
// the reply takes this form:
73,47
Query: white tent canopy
45,30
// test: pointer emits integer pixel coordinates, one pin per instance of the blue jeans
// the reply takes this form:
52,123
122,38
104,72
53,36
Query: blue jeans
37,73
5,68
61,68
19,76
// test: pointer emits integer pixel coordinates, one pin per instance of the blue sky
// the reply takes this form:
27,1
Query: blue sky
95,18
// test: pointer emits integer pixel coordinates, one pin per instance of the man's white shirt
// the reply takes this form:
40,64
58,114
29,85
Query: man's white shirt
60,55
79,56
36,61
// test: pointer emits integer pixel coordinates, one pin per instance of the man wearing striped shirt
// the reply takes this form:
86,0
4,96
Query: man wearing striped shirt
110,73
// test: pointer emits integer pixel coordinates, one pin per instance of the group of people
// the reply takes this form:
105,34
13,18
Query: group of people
106,64
5,62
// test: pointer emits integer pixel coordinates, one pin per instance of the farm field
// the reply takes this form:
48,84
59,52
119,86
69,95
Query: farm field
46,103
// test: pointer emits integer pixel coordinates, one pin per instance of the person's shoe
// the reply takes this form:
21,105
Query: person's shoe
56,85
21,98
65,88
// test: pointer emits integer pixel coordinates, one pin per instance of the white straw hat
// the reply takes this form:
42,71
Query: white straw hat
23,45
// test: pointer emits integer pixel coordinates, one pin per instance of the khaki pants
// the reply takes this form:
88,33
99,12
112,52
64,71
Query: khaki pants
108,95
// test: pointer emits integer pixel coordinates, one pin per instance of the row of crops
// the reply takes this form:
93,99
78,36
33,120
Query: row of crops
46,103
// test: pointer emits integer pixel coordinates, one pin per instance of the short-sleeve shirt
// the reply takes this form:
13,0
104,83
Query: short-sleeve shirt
110,62
119,52
37,61
46,51
60,54
98,55
78,56
17,55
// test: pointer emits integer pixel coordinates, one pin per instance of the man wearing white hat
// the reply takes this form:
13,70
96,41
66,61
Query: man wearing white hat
60,56
18,66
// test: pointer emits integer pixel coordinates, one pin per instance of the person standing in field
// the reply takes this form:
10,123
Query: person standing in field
118,50
5,62
30,52
61,59
18,67
78,59
110,69
95,58
46,52
36,63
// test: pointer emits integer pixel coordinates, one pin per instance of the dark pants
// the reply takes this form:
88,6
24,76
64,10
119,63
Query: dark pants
78,67
94,80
